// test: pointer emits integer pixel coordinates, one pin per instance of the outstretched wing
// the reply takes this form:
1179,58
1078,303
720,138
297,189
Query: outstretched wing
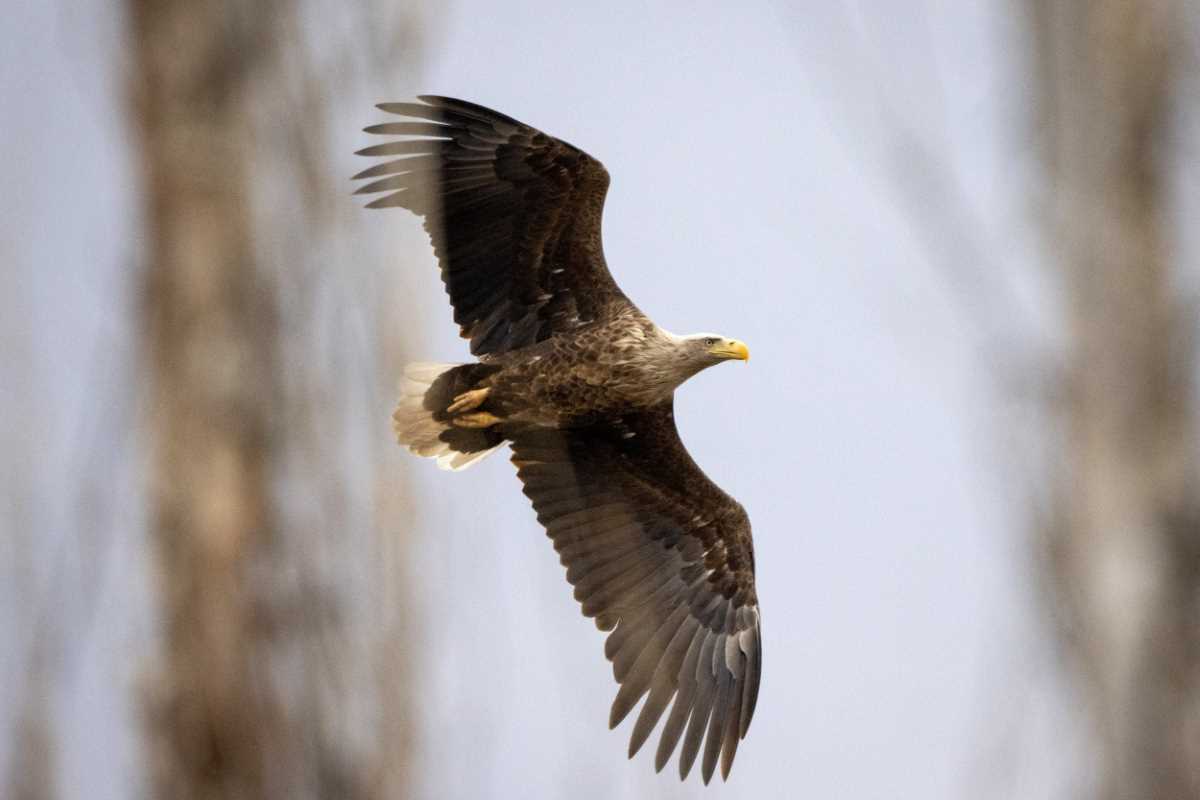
514,216
660,556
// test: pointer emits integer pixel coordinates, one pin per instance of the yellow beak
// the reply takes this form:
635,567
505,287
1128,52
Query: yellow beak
731,348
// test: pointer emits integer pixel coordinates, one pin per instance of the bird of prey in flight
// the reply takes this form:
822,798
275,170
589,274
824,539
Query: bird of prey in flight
580,384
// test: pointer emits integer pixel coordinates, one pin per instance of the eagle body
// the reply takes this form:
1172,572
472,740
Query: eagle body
580,384
607,368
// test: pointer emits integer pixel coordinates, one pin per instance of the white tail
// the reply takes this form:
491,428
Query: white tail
415,426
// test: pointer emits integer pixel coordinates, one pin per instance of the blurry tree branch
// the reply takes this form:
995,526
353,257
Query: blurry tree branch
1124,538
212,330
251,696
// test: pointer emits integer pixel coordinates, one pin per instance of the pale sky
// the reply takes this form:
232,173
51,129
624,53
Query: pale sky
755,153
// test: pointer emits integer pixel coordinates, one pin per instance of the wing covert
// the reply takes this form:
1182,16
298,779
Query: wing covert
514,215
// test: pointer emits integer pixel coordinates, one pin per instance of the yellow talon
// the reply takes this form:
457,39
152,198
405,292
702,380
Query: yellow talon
480,419
468,400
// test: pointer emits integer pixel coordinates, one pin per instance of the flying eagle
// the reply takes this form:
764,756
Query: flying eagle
580,384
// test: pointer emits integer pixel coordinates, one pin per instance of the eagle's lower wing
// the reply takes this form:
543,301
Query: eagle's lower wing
514,216
660,556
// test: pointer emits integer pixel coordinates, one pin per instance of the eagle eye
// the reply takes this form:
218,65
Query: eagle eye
710,341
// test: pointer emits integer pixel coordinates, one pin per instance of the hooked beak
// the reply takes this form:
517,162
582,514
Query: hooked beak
731,348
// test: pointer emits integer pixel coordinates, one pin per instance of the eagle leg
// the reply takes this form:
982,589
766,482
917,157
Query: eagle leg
480,419
468,400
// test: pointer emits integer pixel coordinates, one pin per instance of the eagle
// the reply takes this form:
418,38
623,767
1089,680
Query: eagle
580,384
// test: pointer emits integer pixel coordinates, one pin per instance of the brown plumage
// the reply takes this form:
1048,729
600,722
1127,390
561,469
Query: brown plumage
580,383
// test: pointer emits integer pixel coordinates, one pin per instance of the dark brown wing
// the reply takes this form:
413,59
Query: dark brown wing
660,556
514,216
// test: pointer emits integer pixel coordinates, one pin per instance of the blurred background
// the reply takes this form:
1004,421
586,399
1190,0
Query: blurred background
958,237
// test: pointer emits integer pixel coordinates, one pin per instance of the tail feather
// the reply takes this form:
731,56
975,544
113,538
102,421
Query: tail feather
421,424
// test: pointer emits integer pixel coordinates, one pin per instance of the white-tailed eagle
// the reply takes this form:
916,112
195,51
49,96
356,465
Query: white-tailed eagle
580,384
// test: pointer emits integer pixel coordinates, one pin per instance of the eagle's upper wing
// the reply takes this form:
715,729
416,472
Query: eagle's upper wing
514,216
661,556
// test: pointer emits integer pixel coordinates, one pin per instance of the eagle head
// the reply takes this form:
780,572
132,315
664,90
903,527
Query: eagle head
706,349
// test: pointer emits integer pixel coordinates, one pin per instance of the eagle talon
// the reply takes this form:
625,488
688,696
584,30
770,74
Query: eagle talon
468,400
480,419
